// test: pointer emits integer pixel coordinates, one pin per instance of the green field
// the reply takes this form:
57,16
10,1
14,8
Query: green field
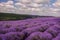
10,16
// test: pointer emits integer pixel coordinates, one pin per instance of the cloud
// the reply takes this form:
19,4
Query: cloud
1,7
41,1
20,5
7,6
55,9
10,2
25,1
32,7
31,3
35,1
1,4
57,3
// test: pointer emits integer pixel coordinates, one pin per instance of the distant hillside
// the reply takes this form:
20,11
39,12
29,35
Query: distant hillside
11,16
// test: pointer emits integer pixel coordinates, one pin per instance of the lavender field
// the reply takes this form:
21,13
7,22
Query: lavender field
45,28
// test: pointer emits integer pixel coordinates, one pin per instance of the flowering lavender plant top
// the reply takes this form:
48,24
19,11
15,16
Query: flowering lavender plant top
47,28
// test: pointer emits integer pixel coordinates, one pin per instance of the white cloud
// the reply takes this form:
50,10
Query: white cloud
57,3
1,4
31,3
41,1
9,2
19,5
25,1
55,9
7,6
35,7
35,1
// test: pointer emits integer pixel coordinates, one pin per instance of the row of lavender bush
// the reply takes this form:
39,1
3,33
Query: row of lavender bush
47,28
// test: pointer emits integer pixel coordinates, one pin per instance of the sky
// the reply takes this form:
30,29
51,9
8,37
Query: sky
33,7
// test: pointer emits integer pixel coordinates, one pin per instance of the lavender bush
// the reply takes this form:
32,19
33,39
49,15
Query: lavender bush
47,28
